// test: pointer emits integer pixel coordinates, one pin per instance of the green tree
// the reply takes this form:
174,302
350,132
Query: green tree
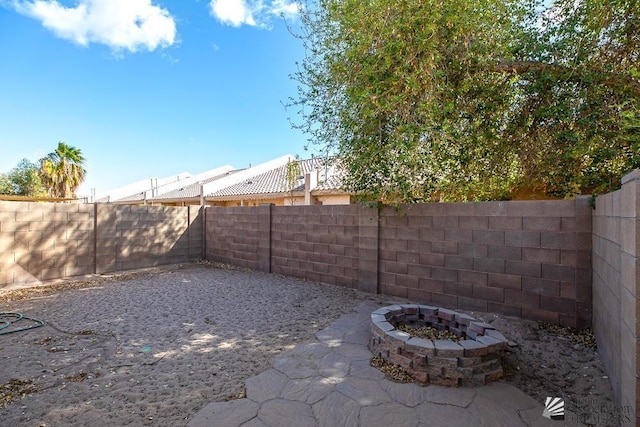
62,171
23,180
426,99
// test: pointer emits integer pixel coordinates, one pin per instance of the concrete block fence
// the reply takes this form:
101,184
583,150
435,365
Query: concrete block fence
521,258
44,241
530,259
616,289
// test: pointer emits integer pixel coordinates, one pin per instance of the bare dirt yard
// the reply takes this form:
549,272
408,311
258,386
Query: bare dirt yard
152,348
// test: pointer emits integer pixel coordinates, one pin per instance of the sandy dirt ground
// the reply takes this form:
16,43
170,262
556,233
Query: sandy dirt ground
153,348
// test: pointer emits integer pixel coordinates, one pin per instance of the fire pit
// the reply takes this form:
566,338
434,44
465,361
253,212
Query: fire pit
473,358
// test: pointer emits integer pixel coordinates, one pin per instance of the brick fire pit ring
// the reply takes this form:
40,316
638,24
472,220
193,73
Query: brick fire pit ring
475,360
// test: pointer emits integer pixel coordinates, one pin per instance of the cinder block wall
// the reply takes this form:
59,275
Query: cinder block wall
131,237
616,281
233,237
43,241
316,244
527,259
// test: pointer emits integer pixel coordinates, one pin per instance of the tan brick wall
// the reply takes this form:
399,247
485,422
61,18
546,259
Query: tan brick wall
233,235
522,258
616,278
43,241
526,259
316,244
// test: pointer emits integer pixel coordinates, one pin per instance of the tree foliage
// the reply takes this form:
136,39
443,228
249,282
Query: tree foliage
62,171
23,180
433,99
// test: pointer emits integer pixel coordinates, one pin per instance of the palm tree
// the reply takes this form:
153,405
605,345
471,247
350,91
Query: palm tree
62,171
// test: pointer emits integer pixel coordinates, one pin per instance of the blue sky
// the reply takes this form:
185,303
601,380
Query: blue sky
147,88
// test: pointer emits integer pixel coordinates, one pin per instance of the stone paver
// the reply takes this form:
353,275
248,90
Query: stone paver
330,383
265,386
233,413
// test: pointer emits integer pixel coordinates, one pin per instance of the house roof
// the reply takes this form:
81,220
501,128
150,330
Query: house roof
192,191
135,191
245,174
276,181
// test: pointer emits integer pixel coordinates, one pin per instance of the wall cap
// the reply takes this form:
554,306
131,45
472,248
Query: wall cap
631,176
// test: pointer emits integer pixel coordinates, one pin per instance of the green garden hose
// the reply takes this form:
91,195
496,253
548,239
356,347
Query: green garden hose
13,318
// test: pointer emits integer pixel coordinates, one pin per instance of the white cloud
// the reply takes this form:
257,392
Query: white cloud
120,24
255,13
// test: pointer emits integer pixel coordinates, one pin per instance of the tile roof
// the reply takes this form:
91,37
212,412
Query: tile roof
275,180
192,191
136,190
167,187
